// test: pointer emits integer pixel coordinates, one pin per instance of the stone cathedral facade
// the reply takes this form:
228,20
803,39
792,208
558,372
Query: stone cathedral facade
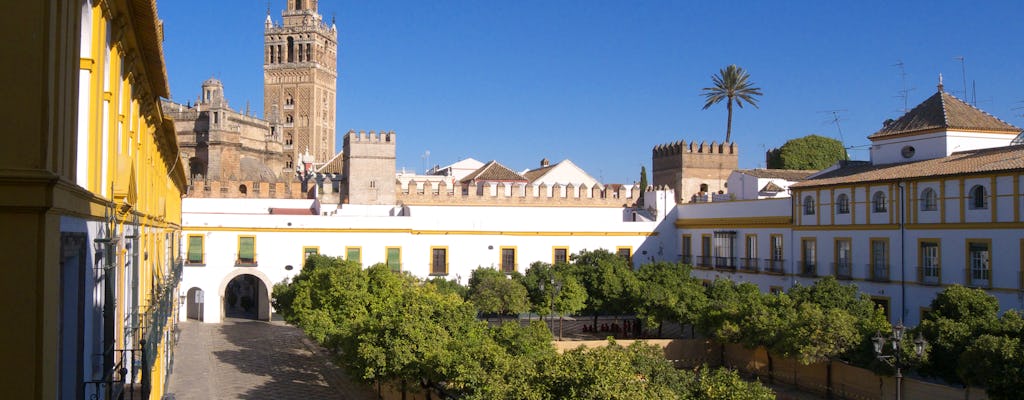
300,75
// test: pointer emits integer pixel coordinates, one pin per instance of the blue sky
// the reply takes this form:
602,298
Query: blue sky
602,82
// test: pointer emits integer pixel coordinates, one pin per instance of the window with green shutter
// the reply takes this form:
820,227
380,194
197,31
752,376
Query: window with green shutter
353,254
394,259
195,249
310,251
247,250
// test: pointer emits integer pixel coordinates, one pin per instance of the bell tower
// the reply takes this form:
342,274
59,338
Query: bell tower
300,76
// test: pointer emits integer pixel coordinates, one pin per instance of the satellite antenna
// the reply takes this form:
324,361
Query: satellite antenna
905,93
963,74
835,120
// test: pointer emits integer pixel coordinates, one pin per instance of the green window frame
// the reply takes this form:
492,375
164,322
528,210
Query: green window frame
393,258
247,250
195,250
354,254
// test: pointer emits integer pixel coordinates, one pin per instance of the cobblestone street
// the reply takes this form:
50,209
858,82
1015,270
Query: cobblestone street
246,359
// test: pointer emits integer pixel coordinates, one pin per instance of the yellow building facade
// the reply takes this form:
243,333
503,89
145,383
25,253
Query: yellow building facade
90,201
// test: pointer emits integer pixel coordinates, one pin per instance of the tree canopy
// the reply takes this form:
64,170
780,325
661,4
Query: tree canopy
733,85
811,152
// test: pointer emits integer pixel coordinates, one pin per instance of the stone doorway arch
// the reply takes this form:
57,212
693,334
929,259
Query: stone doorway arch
194,303
239,285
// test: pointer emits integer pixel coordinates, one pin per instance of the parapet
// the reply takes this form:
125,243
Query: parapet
371,137
516,194
681,147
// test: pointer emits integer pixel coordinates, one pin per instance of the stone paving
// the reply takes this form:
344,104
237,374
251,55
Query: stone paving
246,359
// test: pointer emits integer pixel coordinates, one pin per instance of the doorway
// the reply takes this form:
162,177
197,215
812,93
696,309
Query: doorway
246,297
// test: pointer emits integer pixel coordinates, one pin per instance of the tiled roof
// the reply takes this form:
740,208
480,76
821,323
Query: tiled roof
771,187
494,171
533,174
944,111
1006,158
332,166
787,174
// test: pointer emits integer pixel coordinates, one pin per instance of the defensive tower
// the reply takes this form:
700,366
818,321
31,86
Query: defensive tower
693,168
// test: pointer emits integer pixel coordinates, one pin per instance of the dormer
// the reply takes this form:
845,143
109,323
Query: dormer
938,127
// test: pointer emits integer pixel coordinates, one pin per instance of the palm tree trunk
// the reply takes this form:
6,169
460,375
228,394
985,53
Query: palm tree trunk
728,126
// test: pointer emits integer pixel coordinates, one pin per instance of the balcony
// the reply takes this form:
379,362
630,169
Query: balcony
122,378
509,268
246,261
686,259
878,272
843,270
980,278
808,269
773,266
749,265
930,275
704,262
726,263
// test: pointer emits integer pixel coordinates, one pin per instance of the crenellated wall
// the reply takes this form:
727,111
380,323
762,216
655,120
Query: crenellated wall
692,168
431,193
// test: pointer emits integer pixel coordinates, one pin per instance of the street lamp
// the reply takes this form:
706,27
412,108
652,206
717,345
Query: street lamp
556,287
897,352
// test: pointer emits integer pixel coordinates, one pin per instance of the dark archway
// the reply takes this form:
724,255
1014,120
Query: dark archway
194,304
245,296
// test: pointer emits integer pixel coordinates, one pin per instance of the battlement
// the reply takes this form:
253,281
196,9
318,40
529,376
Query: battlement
516,194
681,147
327,185
371,137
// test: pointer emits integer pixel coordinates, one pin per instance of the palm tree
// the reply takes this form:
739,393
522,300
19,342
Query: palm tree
733,85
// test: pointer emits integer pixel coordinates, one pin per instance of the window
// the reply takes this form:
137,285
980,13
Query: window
705,251
883,304
725,249
776,290
809,261
929,200
928,262
878,203
508,260
309,251
246,250
978,198
808,205
844,259
751,250
439,261
195,250
979,262
879,260
687,249
843,204
775,263
393,257
626,253
354,254
560,255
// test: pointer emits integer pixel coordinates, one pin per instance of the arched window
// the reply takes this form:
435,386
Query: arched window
703,188
878,203
929,200
288,119
808,205
978,198
843,204
291,49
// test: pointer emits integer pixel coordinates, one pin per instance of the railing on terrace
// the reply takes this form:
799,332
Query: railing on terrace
843,270
773,266
930,274
878,272
749,265
124,381
808,269
725,263
703,262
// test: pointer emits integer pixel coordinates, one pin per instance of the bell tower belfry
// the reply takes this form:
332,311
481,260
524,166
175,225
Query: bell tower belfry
300,76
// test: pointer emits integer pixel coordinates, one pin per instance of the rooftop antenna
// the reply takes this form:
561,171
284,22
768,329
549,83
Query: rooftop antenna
426,160
963,73
835,120
905,93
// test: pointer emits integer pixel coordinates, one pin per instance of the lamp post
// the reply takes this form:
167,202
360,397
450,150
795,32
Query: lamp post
556,287
896,357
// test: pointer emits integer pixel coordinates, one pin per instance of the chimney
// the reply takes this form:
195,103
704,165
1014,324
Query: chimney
544,162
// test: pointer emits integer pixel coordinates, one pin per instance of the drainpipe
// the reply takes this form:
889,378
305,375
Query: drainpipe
903,251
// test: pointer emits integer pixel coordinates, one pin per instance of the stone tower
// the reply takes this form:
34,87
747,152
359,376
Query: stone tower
300,75
692,169
368,165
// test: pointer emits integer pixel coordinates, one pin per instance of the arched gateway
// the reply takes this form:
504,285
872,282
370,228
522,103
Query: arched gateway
245,294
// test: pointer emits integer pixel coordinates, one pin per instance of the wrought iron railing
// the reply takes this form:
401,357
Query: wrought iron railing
686,259
725,263
878,272
703,262
774,266
930,274
124,381
843,270
749,264
808,268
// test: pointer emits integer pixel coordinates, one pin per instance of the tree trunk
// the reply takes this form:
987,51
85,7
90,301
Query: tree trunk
659,329
771,368
728,126
404,389
828,379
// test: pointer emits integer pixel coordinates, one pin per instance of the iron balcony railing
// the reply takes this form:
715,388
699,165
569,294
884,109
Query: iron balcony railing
808,269
843,270
774,266
930,274
749,265
703,262
728,263
878,272
125,381
509,268
686,259
246,262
